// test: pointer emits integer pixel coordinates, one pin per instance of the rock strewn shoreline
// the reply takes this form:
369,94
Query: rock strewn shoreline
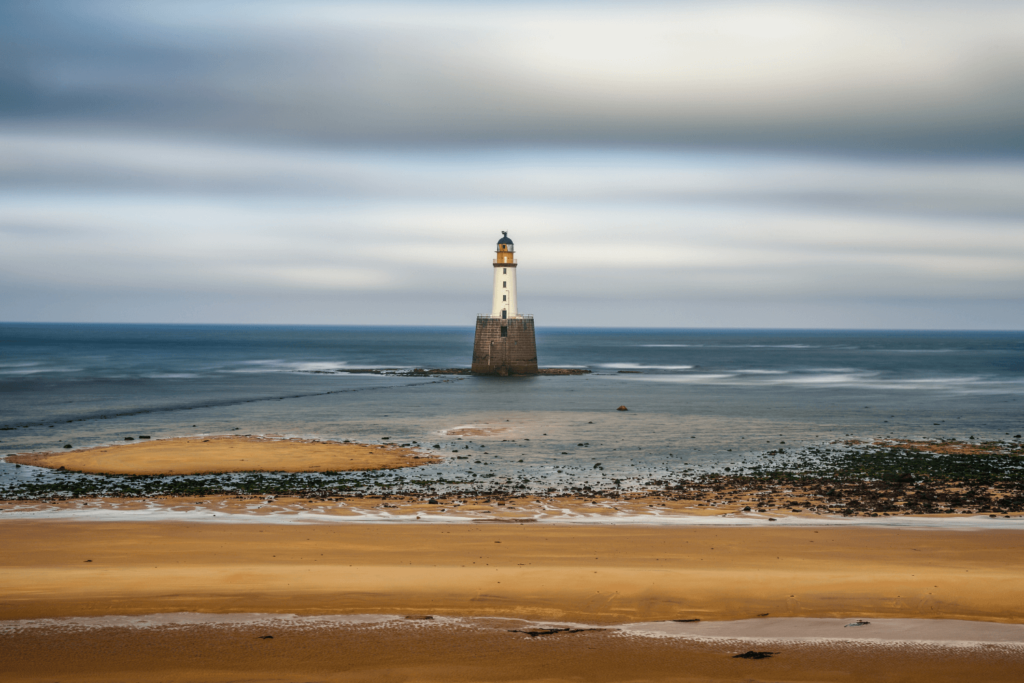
884,478
434,372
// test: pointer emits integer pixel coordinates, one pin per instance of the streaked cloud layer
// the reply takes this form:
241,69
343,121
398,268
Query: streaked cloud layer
690,164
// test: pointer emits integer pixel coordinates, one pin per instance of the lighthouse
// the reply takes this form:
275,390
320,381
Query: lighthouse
505,343
504,305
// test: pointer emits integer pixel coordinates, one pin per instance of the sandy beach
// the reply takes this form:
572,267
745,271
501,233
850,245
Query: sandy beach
479,581
603,574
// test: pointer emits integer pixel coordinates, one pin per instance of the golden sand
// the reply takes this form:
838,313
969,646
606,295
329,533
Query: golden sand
197,455
606,574
593,575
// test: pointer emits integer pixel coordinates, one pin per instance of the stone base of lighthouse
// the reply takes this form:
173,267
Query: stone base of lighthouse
504,347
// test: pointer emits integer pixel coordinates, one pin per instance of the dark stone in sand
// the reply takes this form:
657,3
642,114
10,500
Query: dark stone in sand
424,617
67,445
533,633
622,408
432,501
685,621
752,654
266,637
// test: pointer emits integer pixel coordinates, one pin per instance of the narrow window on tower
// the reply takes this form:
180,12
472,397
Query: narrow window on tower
504,271
504,297
504,284
504,332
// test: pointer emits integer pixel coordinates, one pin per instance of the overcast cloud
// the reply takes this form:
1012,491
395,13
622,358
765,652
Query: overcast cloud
742,164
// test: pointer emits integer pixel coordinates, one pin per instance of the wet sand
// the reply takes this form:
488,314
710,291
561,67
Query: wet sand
215,454
488,650
600,574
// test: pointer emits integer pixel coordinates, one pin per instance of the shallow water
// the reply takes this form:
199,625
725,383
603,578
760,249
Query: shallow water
697,399
765,630
553,513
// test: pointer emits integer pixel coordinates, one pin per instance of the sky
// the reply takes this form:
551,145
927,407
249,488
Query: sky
762,164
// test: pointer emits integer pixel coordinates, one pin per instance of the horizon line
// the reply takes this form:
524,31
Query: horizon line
470,327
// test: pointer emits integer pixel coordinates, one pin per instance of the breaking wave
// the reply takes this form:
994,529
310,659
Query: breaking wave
638,366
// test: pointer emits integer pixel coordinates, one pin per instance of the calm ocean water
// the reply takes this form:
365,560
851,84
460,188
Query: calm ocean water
696,398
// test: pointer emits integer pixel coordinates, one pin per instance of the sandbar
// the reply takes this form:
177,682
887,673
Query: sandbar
218,454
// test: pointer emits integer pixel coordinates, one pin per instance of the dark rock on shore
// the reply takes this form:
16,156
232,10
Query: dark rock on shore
533,633
435,372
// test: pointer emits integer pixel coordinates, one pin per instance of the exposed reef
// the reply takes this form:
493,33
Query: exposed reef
435,372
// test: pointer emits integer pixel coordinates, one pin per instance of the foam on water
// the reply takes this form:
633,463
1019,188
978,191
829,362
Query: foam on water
549,514
638,366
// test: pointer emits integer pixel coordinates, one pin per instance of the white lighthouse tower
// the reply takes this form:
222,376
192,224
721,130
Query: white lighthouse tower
504,303
505,343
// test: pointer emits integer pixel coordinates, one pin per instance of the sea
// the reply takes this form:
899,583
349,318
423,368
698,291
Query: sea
696,400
